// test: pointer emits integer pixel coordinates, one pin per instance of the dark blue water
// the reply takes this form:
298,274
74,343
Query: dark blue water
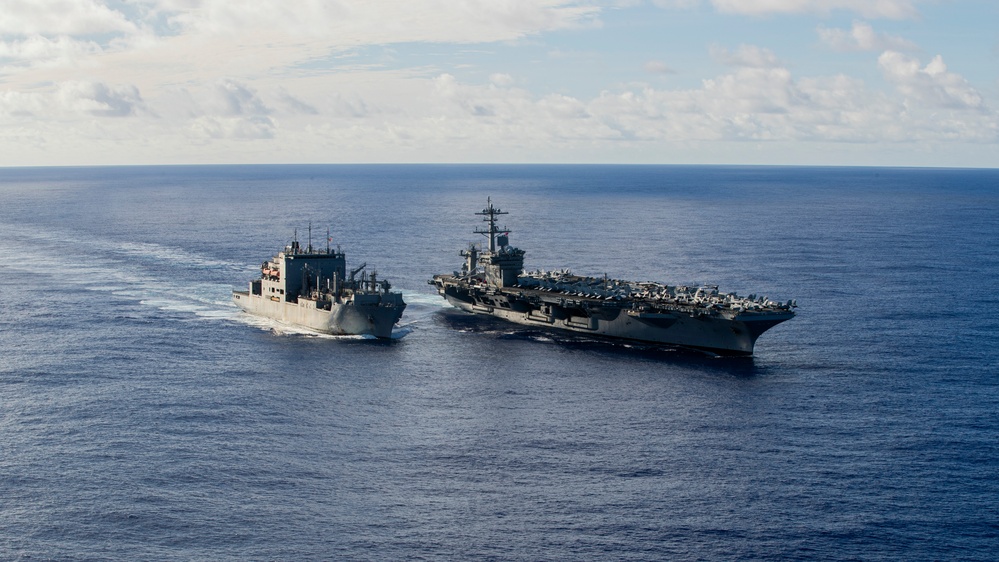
142,417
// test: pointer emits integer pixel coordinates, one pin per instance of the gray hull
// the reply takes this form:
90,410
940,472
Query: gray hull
355,317
721,333
312,288
493,282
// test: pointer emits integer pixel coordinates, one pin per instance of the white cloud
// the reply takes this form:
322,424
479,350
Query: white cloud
352,22
467,100
754,102
69,101
442,118
212,38
239,128
348,107
890,9
862,37
501,80
14,106
676,4
295,105
41,52
227,82
234,111
746,55
98,99
932,84
658,67
751,91
61,17
239,99
563,107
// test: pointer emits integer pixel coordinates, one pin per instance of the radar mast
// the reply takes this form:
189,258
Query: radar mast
490,213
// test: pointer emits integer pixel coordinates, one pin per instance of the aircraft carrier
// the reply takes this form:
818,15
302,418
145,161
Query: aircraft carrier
493,282
311,287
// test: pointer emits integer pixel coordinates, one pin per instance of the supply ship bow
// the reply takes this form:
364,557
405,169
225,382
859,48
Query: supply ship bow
493,282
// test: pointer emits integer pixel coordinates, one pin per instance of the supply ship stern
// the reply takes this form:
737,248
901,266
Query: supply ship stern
311,288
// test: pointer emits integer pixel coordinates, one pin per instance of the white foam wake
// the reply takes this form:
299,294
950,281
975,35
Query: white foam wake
67,261
133,270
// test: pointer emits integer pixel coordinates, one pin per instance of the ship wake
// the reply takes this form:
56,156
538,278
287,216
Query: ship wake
187,285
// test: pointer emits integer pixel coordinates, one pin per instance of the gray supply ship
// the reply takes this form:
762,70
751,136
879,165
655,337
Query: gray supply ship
312,288
494,283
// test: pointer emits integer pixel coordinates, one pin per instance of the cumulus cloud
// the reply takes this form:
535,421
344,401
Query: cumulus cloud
42,48
67,101
18,105
889,9
240,99
352,107
563,107
235,111
745,55
42,52
676,4
386,21
750,103
61,17
245,128
283,78
658,67
501,80
98,99
203,39
295,105
448,88
444,118
931,84
862,37
752,90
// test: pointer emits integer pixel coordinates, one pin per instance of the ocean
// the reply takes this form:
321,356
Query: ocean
143,417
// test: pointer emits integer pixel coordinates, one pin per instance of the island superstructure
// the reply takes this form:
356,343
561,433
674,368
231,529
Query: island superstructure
493,282
311,287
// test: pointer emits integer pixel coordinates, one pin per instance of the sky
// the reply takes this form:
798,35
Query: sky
769,82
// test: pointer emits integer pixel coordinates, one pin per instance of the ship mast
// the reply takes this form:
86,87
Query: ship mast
490,213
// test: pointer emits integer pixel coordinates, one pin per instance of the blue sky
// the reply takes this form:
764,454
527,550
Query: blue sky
832,82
